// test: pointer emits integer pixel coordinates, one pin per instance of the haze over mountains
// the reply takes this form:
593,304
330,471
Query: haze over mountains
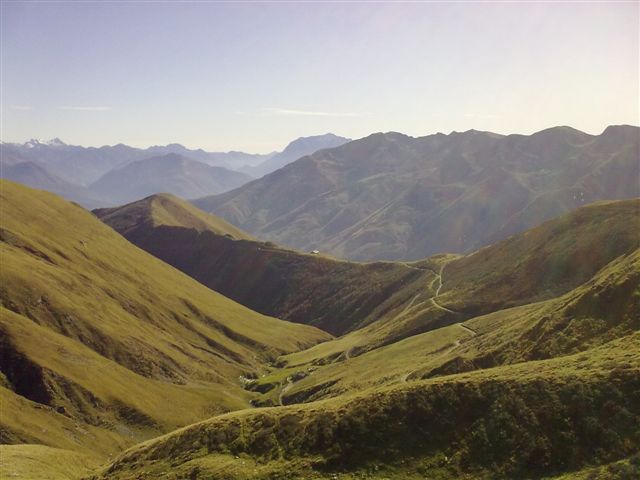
519,360
85,165
390,196
111,175
167,173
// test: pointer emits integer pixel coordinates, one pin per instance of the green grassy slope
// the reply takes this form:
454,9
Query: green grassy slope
602,309
543,262
438,379
334,295
534,266
537,390
520,421
38,462
100,339
627,469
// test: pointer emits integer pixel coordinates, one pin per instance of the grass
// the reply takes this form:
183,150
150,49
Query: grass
602,309
103,346
627,469
506,422
38,462
543,262
114,338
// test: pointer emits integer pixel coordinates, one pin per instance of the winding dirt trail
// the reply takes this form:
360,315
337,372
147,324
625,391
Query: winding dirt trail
433,299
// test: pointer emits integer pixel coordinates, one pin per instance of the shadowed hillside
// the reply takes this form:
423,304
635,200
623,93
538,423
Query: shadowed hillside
334,295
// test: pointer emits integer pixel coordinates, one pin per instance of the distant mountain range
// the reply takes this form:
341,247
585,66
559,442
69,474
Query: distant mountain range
391,196
85,165
111,175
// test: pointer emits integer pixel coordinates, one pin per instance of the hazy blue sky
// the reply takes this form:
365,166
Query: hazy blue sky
251,76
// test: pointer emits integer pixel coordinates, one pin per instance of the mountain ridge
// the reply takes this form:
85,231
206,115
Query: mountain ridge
453,192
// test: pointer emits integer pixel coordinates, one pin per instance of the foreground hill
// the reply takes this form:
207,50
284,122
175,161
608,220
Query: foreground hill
390,196
105,344
528,420
171,173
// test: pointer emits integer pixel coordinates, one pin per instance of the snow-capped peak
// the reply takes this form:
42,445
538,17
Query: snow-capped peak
54,142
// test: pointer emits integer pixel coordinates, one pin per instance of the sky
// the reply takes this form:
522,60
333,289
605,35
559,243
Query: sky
253,76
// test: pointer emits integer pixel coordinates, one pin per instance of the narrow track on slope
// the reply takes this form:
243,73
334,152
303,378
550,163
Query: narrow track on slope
470,330
433,299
